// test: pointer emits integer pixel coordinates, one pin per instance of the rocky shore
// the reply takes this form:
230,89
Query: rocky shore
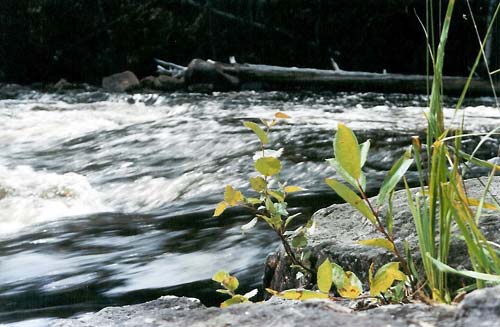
478,309
339,227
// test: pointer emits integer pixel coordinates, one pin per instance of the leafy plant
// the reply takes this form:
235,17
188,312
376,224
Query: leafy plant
347,283
349,160
230,284
270,203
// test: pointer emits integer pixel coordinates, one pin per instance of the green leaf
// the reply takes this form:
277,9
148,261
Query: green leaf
232,196
237,299
220,208
290,218
277,195
394,176
253,201
343,173
325,276
250,224
472,274
299,241
378,242
280,208
258,183
385,277
270,206
352,198
338,275
347,151
268,166
257,130
364,148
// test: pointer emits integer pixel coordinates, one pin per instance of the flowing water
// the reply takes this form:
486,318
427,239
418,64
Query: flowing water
107,199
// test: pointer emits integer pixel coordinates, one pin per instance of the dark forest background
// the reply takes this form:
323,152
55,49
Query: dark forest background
83,40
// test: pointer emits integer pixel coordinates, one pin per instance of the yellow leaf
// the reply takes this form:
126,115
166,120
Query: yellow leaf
258,131
385,277
352,286
378,242
236,299
277,195
258,183
475,203
325,276
282,115
297,294
231,283
232,196
292,189
220,276
352,198
268,166
253,200
220,208
347,151
349,292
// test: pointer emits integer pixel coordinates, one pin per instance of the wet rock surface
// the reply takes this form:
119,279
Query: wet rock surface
480,308
120,82
340,227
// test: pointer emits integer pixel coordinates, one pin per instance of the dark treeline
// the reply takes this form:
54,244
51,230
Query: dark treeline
83,40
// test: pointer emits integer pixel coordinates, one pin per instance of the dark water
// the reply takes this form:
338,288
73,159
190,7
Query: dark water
107,199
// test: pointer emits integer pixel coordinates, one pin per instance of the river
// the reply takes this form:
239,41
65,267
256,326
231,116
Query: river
107,199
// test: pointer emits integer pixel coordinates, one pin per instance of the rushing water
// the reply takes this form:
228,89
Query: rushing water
107,199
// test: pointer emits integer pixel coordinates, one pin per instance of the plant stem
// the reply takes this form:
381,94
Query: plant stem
289,251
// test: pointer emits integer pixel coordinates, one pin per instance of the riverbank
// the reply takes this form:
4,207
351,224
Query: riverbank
339,227
110,195
479,309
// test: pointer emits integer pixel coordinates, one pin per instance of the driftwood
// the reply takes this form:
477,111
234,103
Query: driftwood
222,76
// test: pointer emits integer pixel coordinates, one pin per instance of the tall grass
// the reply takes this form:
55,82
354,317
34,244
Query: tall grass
443,201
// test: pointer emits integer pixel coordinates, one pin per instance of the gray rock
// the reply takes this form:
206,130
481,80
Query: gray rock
340,227
480,308
120,82
168,83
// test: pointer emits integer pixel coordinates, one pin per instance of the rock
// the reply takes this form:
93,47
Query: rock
168,83
339,227
12,91
120,82
148,82
480,308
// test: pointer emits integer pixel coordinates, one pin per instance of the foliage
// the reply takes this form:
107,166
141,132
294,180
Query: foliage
230,284
270,203
347,283
441,203
346,149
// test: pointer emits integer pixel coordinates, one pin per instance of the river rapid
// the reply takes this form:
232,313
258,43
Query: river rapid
107,199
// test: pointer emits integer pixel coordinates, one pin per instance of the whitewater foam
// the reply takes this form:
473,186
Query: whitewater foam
28,197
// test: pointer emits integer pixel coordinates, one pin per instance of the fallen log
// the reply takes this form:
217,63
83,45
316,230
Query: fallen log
234,76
